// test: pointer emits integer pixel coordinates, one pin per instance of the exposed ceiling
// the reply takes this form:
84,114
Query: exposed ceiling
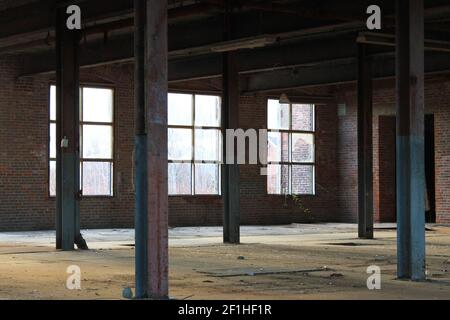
309,34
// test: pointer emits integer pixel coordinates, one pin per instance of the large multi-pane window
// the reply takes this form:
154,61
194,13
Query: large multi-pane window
195,144
291,149
96,141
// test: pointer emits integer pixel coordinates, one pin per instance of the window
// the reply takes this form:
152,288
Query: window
96,135
195,144
291,149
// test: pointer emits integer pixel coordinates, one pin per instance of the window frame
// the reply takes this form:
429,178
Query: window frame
290,163
111,124
193,128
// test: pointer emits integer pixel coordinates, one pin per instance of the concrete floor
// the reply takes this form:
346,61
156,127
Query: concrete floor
324,261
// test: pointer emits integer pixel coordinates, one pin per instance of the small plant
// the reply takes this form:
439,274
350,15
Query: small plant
300,205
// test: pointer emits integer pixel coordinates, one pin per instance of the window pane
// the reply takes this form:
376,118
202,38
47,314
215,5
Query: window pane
303,179
206,179
278,115
303,117
207,111
278,149
98,105
180,179
208,145
53,103
180,109
302,147
97,178
97,142
52,140
180,144
278,179
52,178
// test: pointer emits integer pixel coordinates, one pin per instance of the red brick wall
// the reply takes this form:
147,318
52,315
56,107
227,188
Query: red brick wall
24,200
437,102
385,202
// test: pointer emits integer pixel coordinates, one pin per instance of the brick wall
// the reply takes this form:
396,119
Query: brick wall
24,200
437,102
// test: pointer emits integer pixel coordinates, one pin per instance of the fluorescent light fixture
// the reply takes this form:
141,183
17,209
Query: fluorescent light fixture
244,44
284,99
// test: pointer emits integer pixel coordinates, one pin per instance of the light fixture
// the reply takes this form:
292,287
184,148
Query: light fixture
284,99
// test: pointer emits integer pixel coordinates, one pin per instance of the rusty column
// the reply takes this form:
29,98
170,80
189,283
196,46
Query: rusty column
156,91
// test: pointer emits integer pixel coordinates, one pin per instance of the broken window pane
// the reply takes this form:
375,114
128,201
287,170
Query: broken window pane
52,178
207,111
97,142
97,178
302,147
303,180
180,144
278,148
277,115
303,117
206,179
278,179
52,140
208,145
98,105
180,179
180,109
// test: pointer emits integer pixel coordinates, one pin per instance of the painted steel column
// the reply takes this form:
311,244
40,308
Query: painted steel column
365,145
410,140
230,120
68,122
140,151
156,61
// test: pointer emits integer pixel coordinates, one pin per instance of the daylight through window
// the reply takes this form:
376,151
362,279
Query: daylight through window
96,141
195,144
291,149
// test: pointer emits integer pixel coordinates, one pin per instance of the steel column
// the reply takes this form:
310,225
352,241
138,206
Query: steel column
68,122
140,152
365,149
156,91
410,140
230,120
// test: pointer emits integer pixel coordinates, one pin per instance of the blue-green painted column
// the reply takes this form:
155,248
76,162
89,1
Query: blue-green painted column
140,152
68,142
410,140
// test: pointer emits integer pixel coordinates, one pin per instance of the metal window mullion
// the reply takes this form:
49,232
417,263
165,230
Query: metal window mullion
95,123
81,142
290,150
193,168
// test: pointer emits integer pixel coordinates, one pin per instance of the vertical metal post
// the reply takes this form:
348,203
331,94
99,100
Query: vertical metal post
365,145
140,151
410,140
156,73
68,122
230,120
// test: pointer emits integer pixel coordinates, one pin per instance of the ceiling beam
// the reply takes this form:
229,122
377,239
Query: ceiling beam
336,72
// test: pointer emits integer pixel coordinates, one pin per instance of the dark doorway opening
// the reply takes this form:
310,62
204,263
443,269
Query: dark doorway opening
430,213
387,169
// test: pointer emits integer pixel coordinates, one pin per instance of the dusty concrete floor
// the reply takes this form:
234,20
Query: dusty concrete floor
291,262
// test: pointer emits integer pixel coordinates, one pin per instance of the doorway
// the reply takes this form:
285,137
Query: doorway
387,169
430,214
